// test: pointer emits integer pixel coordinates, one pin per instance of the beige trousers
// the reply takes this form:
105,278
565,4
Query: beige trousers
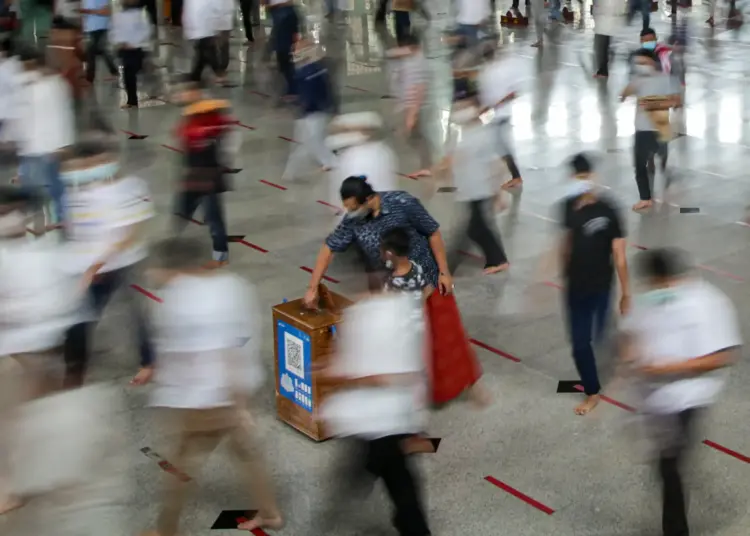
194,435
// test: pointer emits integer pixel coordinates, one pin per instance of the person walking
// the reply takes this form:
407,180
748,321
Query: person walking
130,36
199,26
657,93
246,9
592,250
96,17
678,341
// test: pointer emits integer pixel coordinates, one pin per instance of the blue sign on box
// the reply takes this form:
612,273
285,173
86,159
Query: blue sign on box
295,377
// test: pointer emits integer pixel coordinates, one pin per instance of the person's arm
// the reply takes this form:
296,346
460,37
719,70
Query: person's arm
437,245
134,234
699,365
325,256
339,240
621,267
342,383
629,91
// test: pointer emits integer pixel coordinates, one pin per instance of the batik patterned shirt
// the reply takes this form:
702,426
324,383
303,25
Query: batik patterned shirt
397,210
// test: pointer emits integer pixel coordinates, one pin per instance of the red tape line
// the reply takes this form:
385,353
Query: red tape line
472,255
518,495
251,245
725,450
147,293
355,88
290,140
310,270
329,205
175,149
495,350
273,184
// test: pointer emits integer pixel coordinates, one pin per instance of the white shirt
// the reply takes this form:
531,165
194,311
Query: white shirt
130,27
695,319
38,300
45,122
381,337
101,215
224,11
497,80
607,17
198,19
208,338
375,160
474,160
472,12
10,72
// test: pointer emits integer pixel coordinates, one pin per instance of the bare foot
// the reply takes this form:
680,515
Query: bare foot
271,523
143,377
421,173
128,106
513,183
537,44
587,405
643,205
479,396
326,169
710,21
10,504
496,269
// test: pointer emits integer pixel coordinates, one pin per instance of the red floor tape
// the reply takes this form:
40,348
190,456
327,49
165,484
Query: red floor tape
290,140
310,270
273,184
472,255
329,205
517,494
251,245
494,350
175,149
725,450
147,293
355,88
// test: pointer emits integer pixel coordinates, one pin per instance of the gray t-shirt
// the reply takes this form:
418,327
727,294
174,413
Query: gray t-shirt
655,85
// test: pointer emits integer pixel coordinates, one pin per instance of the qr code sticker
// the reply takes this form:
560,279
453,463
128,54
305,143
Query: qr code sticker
294,357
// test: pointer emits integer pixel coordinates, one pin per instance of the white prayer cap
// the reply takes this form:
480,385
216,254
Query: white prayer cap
358,120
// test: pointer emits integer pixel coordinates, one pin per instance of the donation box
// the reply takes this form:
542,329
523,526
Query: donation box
303,344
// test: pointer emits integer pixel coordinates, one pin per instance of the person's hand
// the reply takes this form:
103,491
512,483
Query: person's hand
655,370
625,304
445,284
90,275
311,297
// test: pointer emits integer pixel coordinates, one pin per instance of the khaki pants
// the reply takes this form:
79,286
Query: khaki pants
194,435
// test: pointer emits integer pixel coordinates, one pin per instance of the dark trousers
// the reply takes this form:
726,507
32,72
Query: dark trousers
246,8
482,230
153,14
384,459
402,23
78,339
98,47
222,52
587,317
645,148
205,55
188,202
382,10
601,53
175,14
672,453
285,28
132,63
644,6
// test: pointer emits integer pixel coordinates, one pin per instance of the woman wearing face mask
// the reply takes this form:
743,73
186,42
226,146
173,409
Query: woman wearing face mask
592,248
657,93
369,215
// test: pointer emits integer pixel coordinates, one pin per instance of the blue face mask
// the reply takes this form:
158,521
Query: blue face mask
80,177
578,187
649,45
660,296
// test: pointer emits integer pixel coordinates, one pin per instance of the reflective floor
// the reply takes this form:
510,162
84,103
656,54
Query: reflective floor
569,476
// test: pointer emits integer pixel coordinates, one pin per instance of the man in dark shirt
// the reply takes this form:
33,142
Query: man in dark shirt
592,249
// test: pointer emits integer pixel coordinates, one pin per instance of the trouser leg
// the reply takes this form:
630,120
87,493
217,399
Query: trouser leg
674,505
580,314
644,149
482,230
386,459
217,227
601,45
247,24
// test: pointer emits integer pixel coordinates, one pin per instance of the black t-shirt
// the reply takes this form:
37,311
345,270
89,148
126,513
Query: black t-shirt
593,228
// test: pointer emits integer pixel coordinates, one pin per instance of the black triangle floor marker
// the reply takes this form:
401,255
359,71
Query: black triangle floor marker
568,386
236,238
137,137
435,442
229,519
446,189
232,171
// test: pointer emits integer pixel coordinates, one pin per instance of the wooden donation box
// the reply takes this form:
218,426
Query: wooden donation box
303,345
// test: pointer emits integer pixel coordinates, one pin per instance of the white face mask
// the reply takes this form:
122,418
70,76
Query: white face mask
12,224
344,140
464,115
578,187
